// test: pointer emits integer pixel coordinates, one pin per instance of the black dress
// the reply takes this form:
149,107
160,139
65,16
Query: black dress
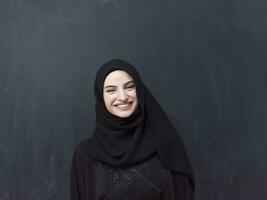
147,180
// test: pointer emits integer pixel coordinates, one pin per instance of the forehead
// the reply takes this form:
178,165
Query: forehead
117,77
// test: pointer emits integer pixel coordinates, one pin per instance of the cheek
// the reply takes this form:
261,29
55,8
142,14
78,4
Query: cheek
107,100
132,94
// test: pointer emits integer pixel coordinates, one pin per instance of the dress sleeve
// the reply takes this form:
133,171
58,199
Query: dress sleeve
184,189
77,177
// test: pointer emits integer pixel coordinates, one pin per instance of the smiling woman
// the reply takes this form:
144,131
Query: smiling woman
135,152
120,94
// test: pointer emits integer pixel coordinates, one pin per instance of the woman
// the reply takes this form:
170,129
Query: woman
135,152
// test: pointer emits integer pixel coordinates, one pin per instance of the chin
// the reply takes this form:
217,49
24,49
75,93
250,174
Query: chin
123,115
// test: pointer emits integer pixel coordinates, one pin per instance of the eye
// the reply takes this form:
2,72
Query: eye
110,91
130,86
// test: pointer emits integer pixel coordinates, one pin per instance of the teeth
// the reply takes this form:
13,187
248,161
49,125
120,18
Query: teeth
123,105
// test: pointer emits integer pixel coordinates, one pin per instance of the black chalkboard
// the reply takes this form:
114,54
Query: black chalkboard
205,61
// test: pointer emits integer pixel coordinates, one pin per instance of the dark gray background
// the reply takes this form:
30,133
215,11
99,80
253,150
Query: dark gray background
205,62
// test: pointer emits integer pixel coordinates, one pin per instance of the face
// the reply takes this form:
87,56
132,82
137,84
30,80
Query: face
119,93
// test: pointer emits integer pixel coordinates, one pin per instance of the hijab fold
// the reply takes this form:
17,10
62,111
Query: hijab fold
126,141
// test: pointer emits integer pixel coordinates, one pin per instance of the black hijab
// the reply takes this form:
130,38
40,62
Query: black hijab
126,141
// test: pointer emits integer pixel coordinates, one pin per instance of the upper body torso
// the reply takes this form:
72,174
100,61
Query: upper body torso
146,180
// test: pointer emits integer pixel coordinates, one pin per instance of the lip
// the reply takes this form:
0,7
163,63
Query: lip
126,107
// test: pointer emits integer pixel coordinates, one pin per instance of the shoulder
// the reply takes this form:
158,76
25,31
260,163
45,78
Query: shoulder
81,155
184,179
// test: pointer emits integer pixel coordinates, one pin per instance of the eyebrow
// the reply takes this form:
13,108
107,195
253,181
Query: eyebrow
116,86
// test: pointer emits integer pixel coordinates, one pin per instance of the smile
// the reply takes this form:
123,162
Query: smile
124,106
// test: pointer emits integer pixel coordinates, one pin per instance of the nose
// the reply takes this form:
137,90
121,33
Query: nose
122,95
